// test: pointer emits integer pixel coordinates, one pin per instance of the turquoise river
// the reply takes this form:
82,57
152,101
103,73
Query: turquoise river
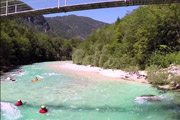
72,97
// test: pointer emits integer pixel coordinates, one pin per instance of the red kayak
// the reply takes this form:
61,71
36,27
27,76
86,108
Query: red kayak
19,103
13,80
43,111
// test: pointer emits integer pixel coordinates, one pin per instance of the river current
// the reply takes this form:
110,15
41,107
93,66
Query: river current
71,97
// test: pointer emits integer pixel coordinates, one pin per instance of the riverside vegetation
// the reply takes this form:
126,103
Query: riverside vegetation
22,46
148,38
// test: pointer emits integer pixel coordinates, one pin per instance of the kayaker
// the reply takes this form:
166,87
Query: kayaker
19,103
36,79
19,70
43,109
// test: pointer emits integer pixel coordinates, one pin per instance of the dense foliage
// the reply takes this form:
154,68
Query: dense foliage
22,46
148,36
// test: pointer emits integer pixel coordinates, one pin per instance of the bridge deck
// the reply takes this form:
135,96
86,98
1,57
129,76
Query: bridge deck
88,6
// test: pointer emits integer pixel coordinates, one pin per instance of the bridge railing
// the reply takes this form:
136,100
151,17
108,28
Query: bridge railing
12,7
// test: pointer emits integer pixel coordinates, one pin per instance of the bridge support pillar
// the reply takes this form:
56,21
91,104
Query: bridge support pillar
15,8
65,2
6,8
58,3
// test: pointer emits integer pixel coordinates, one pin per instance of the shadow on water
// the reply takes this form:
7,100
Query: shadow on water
162,91
175,107
106,108
80,108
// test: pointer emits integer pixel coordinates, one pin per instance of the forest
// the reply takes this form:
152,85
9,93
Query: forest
150,35
19,46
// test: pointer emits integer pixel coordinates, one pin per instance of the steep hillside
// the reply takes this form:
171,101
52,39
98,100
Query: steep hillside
20,45
34,23
67,26
72,26
150,35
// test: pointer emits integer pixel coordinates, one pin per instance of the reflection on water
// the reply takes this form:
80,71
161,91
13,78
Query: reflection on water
69,96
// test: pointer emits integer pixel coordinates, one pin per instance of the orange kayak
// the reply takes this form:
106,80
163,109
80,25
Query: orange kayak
35,80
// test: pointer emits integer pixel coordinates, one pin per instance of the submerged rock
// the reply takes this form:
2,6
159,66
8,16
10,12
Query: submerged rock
144,98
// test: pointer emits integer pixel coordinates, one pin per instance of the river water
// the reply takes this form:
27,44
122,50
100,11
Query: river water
71,97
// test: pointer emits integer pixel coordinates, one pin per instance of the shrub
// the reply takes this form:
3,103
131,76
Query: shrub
96,58
165,60
173,58
108,63
102,60
125,61
132,69
159,59
78,56
176,79
157,77
87,60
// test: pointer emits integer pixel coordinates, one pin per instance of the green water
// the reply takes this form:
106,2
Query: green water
71,97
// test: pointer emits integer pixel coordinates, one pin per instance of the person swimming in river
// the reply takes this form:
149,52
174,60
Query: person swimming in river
19,70
12,79
19,103
43,109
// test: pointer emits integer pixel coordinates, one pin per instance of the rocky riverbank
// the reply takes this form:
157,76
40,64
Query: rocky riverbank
173,78
139,76
173,72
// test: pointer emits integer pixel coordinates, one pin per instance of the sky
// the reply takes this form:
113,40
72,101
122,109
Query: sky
107,15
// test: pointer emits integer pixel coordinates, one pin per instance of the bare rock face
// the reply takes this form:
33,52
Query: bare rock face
174,69
136,75
173,77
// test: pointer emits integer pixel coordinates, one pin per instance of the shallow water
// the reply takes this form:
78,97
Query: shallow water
71,97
